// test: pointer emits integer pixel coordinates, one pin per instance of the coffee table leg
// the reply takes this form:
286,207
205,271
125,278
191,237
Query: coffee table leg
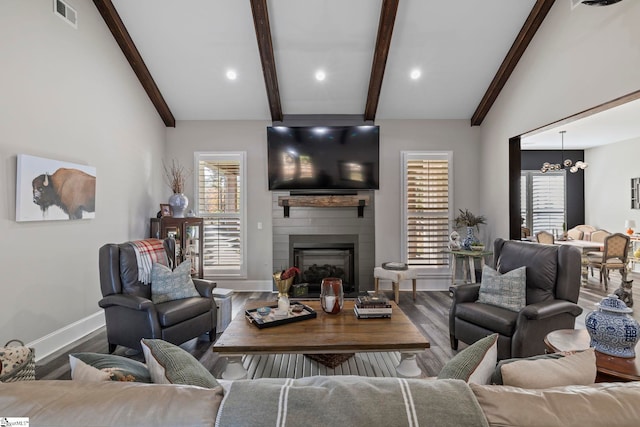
408,367
234,370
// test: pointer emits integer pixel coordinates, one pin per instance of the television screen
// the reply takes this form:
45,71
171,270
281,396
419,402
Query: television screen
323,158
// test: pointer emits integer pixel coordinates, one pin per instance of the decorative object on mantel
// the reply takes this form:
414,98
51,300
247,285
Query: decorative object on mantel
629,225
471,221
176,175
284,280
612,330
331,295
566,163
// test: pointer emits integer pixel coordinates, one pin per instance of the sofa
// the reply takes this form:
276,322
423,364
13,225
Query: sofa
319,401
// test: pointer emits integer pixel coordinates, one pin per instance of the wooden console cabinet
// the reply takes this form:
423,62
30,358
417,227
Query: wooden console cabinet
188,233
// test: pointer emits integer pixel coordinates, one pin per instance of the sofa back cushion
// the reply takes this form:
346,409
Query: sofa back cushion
603,404
541,262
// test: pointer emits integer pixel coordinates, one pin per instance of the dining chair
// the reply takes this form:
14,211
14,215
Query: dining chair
614,256
575,234
599,236
545,237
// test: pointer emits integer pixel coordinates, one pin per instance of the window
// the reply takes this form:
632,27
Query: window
542,203
427,199
221,188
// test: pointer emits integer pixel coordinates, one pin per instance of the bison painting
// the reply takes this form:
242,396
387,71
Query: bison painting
73,190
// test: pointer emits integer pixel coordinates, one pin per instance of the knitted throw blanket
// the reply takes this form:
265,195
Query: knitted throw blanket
148,251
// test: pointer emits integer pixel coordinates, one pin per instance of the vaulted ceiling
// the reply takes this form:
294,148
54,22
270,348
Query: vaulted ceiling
183,51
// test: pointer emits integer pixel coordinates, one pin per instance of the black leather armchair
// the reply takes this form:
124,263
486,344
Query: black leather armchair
553,286
130,313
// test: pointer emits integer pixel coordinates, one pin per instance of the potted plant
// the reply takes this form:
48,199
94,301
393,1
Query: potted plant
467,219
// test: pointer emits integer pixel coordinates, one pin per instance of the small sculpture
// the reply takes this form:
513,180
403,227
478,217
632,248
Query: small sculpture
454,241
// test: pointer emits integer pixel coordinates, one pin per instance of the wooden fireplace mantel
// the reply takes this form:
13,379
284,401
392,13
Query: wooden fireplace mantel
332,201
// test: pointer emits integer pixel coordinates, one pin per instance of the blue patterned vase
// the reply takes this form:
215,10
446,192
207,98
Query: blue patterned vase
179,203
469,240
612,330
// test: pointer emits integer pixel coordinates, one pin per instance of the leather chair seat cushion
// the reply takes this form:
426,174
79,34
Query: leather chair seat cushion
487,316
173,312
542,268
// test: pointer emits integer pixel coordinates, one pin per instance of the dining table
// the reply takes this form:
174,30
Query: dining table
585,247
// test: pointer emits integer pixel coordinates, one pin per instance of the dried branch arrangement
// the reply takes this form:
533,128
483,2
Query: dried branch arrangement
176,175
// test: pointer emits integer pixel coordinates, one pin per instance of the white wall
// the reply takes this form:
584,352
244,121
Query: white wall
69,94
579,58
607,185
395,136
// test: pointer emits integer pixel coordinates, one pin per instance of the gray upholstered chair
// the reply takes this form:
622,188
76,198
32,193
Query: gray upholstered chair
552,288
131,315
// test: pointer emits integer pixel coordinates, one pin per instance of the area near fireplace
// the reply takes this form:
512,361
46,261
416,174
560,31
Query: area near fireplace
329,241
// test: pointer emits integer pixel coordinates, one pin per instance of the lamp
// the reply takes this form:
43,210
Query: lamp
566,163
629,225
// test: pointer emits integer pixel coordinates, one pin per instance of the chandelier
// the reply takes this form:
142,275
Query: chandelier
566,163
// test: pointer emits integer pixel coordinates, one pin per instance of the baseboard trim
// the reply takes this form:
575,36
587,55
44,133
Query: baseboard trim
56,340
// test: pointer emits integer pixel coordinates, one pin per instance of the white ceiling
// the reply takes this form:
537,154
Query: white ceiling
616,124
188,47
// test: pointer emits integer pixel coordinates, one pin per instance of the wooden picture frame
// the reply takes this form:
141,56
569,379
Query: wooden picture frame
165,209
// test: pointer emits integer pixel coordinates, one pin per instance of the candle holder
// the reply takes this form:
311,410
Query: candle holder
331,295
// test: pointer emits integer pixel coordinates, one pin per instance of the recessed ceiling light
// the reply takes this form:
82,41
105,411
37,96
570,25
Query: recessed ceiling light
232,75
415,74
320,75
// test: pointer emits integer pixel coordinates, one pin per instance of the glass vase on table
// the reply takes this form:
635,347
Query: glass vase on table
331,295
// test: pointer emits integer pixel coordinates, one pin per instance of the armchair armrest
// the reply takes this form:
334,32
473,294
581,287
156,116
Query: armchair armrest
465,293
205,287
546,309
127,301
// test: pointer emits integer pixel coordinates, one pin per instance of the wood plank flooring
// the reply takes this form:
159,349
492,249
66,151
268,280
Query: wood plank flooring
430,314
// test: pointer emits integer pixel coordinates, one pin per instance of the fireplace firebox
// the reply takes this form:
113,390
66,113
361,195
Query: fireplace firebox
323,256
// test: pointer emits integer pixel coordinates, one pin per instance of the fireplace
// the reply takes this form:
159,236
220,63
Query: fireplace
320,256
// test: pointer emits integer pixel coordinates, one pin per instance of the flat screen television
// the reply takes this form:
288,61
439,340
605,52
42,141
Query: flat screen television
323,158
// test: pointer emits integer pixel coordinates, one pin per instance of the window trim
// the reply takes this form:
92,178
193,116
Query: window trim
405,156
241,156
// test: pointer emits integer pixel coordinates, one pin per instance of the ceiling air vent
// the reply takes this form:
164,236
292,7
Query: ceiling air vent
66,12
574,3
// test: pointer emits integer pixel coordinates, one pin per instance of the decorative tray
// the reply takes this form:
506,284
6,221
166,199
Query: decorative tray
274,319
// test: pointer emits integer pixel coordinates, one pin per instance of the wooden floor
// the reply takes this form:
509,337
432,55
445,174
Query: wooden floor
430,314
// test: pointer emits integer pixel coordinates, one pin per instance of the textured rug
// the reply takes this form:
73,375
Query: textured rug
331,360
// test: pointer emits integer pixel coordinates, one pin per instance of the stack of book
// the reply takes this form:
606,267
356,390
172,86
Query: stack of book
372,306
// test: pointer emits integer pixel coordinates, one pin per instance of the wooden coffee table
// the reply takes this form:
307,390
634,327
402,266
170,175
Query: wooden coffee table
610,368
326,334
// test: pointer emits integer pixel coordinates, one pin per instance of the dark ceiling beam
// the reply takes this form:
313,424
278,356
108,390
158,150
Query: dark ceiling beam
383,41
120,33
267,58
528,30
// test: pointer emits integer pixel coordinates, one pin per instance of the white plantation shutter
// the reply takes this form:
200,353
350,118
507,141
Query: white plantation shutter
221,193
426,203
544,194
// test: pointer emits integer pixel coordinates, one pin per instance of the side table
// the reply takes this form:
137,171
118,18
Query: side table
468,260
610,368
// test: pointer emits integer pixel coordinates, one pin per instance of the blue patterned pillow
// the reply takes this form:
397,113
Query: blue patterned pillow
508,290
167,285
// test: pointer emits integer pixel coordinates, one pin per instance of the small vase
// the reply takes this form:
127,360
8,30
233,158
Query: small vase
283,303
178,203
469,240
612,330
331,295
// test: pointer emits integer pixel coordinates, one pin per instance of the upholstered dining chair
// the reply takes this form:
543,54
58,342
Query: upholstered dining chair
599,236
575,234
131,313
545,237
614,256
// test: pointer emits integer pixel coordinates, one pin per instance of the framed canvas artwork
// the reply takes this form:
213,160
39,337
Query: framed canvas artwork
49,189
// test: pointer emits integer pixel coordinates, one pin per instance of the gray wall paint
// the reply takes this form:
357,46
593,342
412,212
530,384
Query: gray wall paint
69,94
